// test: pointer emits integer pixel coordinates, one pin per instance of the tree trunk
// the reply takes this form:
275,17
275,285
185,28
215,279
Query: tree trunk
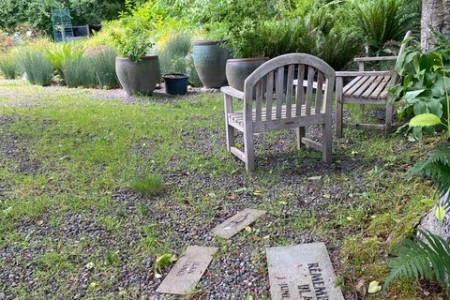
435,17
430,223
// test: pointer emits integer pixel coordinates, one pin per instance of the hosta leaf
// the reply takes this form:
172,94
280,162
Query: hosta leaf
424,120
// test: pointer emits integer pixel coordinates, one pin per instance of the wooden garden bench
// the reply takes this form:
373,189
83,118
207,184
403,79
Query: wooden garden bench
367,87
272,101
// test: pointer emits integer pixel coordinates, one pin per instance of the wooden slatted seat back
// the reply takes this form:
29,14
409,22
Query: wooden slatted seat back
274,99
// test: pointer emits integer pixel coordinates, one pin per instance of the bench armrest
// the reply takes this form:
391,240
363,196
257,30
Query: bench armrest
228,90
362,73
375,58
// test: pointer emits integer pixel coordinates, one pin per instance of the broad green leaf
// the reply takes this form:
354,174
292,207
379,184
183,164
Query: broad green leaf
410,96
164,260
424,120
374,287
440,213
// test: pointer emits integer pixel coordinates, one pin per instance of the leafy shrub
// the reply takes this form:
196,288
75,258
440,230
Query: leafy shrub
385,20
36,65
9,65
426,85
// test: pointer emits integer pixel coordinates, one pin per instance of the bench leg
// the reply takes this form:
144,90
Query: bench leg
389,117
249,152
339,107
230,136
327,141
229,130
301,131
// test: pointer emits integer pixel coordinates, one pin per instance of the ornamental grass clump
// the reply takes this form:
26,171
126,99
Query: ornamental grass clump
37,66
78,72
9,66
104,68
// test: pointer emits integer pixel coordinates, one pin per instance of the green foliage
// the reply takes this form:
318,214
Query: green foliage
425,86
61,52
435,165
133,40
36,65
37,14
385,20
9,66
319,31
416,259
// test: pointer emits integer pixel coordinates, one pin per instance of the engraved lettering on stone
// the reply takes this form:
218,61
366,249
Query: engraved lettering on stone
190,267
304,289
317,280
234,223
284,291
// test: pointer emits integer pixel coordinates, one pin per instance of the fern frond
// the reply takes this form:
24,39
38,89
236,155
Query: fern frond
435,165
416,259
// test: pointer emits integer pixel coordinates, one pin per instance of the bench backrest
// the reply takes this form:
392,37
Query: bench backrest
271,94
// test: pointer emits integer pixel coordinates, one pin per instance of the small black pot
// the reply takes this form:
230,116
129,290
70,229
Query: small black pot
176,83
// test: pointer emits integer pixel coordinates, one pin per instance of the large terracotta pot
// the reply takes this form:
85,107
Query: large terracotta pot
238,69
209,61
138,77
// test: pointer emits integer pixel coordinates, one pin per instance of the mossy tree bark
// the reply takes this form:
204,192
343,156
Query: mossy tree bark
435,17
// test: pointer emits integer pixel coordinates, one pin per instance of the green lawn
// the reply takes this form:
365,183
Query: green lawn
93,189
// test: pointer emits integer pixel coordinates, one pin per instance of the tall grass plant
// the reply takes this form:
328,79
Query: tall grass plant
36,65
9,66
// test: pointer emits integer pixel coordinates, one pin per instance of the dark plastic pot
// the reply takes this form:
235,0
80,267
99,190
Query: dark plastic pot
238,69
176,83
138,77
209,61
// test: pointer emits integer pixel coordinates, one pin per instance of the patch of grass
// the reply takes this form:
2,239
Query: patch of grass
148,186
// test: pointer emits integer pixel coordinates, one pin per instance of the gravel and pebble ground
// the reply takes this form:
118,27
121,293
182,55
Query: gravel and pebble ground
239,269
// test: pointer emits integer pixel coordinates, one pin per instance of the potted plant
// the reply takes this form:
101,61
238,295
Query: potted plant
176,62
248,50
137,71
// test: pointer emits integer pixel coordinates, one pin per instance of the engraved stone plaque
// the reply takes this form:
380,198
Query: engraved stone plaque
302,272
188,270
237,222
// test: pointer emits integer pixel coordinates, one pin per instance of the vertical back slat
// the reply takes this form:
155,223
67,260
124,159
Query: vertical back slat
309,90
319,93
269,95
279,91
289,90
259,99
299,93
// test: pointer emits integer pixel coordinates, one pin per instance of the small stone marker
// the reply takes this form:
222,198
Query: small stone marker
188,270
237,222
302,272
